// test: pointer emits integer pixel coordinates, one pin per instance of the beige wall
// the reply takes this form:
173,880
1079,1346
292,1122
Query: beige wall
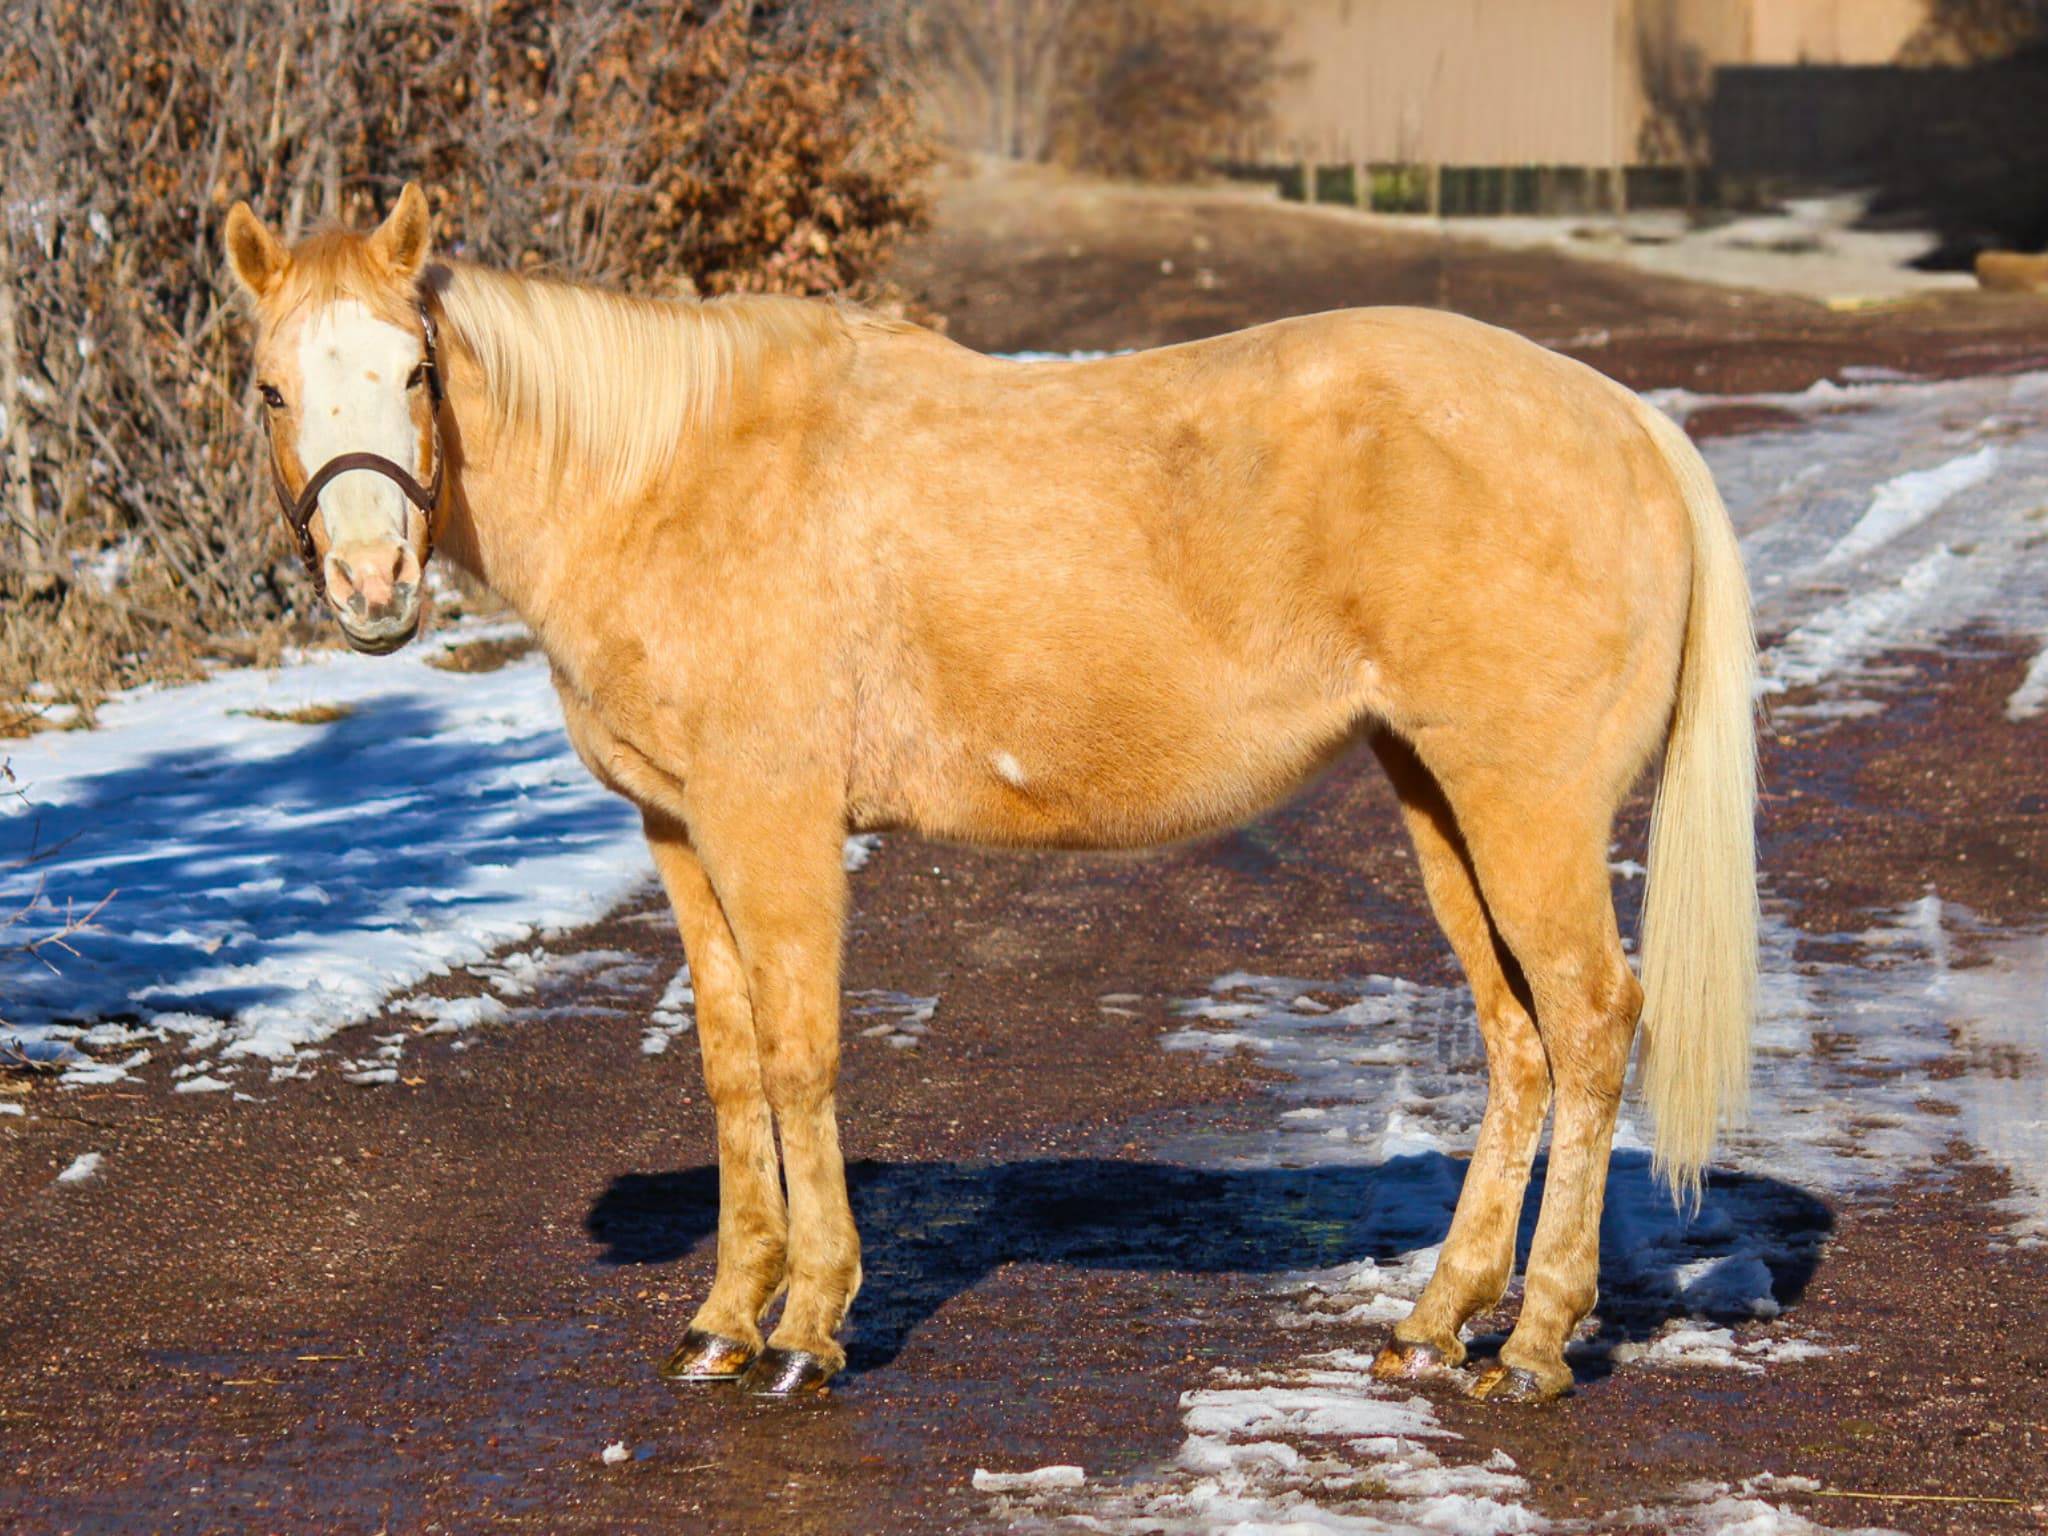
1524,82
1831,31
1455,82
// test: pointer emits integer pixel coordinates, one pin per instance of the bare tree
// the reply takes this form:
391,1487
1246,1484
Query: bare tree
1976,31
1678,91
985,67
1147,88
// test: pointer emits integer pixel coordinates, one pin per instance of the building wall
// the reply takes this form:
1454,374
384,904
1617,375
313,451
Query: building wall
1830,31
1527,82
1452,82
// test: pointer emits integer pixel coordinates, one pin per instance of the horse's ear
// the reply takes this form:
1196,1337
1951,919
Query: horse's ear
257,255
402,238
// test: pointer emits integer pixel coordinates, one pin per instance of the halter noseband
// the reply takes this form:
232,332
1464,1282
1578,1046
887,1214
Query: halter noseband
298,511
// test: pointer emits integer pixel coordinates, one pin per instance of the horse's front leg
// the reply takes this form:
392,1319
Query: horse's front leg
725,1337
774,856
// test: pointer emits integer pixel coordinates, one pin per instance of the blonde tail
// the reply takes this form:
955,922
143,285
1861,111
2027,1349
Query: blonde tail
1700,907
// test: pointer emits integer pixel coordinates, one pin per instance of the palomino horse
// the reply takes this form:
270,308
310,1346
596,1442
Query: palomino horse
799,570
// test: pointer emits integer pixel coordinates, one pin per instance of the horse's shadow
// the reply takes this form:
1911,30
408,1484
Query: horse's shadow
930,1231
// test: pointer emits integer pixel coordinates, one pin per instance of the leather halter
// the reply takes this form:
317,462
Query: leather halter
298,511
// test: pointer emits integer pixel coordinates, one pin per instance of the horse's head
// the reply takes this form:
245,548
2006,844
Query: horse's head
345,364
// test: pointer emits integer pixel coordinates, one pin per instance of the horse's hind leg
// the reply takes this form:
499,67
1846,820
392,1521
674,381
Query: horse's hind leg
1478,1255
725,1335
1539,847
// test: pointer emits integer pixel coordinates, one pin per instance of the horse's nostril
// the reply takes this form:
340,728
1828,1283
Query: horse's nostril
359,605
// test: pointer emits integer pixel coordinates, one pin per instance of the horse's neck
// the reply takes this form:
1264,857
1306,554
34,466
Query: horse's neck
522,509
502,520
518,517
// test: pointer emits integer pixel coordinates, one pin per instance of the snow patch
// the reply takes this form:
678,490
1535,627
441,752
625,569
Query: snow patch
674,1012
1316,1448
1716,1509
283,879
1026,1482
1908,500
81,1168
1895,515
2031,697
450,1015
902,1021
1850,632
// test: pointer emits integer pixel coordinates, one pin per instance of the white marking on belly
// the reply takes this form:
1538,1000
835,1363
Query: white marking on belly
1008,769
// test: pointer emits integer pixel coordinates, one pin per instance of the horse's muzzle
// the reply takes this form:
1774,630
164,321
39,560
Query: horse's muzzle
381,641
376,592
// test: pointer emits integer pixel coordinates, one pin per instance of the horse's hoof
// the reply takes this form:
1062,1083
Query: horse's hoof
786,1373
1515,1384
1404,1361
707,1357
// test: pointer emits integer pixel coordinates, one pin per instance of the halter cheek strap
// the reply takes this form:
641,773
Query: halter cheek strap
298,510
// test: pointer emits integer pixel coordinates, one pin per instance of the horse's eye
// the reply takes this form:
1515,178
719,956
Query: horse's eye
272,397
417,377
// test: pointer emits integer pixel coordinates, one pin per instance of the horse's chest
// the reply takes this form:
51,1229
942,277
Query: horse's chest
612,731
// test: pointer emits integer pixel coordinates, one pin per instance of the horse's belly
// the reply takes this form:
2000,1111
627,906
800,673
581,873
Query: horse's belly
1107,777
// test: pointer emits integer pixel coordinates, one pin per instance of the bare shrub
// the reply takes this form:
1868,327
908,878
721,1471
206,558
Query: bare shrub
1976,31
665,144
1151,89
1157,90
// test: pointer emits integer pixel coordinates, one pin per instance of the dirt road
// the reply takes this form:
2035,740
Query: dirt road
432,1305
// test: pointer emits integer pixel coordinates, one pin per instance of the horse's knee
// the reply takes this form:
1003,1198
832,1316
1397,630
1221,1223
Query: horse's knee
731,1078
1588,1031
798,1076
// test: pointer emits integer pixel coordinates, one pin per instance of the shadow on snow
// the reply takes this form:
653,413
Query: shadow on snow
930,1231
369,824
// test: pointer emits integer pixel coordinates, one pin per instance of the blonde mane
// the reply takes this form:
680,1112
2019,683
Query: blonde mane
615,385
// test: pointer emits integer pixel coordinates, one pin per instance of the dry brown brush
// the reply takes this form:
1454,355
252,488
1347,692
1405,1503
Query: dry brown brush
1155,90
669,145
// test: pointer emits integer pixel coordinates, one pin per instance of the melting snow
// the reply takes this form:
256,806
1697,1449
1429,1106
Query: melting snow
902,1021
674,1012
277,881
1898,515
280,879
2031,697
1388,1074
1908,500
1715,1509
1014,1482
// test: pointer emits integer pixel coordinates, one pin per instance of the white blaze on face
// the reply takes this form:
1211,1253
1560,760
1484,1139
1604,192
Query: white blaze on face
353,399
